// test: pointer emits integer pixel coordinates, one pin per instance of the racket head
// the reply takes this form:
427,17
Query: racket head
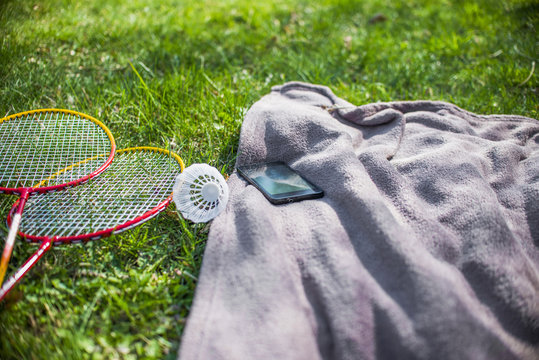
136,187
42,143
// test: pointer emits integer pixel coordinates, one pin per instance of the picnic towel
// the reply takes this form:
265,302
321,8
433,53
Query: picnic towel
425,245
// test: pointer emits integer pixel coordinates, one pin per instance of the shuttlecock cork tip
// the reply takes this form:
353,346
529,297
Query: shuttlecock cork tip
210,192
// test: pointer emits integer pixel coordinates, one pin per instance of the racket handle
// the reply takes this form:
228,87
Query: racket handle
12,281
14,228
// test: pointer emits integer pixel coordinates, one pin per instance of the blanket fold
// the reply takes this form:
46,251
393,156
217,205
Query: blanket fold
424,246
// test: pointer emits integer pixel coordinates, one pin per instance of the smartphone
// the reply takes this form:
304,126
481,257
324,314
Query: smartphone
279,183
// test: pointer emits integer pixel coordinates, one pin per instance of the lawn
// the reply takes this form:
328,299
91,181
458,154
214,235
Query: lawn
181,74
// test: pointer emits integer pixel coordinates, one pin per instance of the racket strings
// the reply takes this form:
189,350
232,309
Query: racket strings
38,145
134,184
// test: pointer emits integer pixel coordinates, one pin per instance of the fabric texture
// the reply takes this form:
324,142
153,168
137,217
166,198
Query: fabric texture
425,245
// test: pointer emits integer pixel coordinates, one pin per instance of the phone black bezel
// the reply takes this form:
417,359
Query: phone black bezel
282,198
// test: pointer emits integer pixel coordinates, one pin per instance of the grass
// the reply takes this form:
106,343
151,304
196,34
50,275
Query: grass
180,74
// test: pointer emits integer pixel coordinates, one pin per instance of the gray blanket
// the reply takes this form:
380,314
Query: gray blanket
425,245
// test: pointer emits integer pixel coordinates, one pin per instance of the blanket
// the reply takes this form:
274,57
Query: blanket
424,246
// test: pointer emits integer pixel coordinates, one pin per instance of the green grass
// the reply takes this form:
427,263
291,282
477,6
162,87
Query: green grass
181,74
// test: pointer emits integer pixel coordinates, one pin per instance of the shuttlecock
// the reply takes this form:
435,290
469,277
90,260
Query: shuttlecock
200,193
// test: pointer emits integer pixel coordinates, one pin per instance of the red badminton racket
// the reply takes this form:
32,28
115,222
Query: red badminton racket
38,144
136,187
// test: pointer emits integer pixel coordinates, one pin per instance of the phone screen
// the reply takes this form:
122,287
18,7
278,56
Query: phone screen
279,182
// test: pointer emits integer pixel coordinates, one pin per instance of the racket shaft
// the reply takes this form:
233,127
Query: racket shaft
12,281
8,248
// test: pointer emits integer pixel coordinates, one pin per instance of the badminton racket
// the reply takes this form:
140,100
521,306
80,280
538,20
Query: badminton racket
136,187
38,144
